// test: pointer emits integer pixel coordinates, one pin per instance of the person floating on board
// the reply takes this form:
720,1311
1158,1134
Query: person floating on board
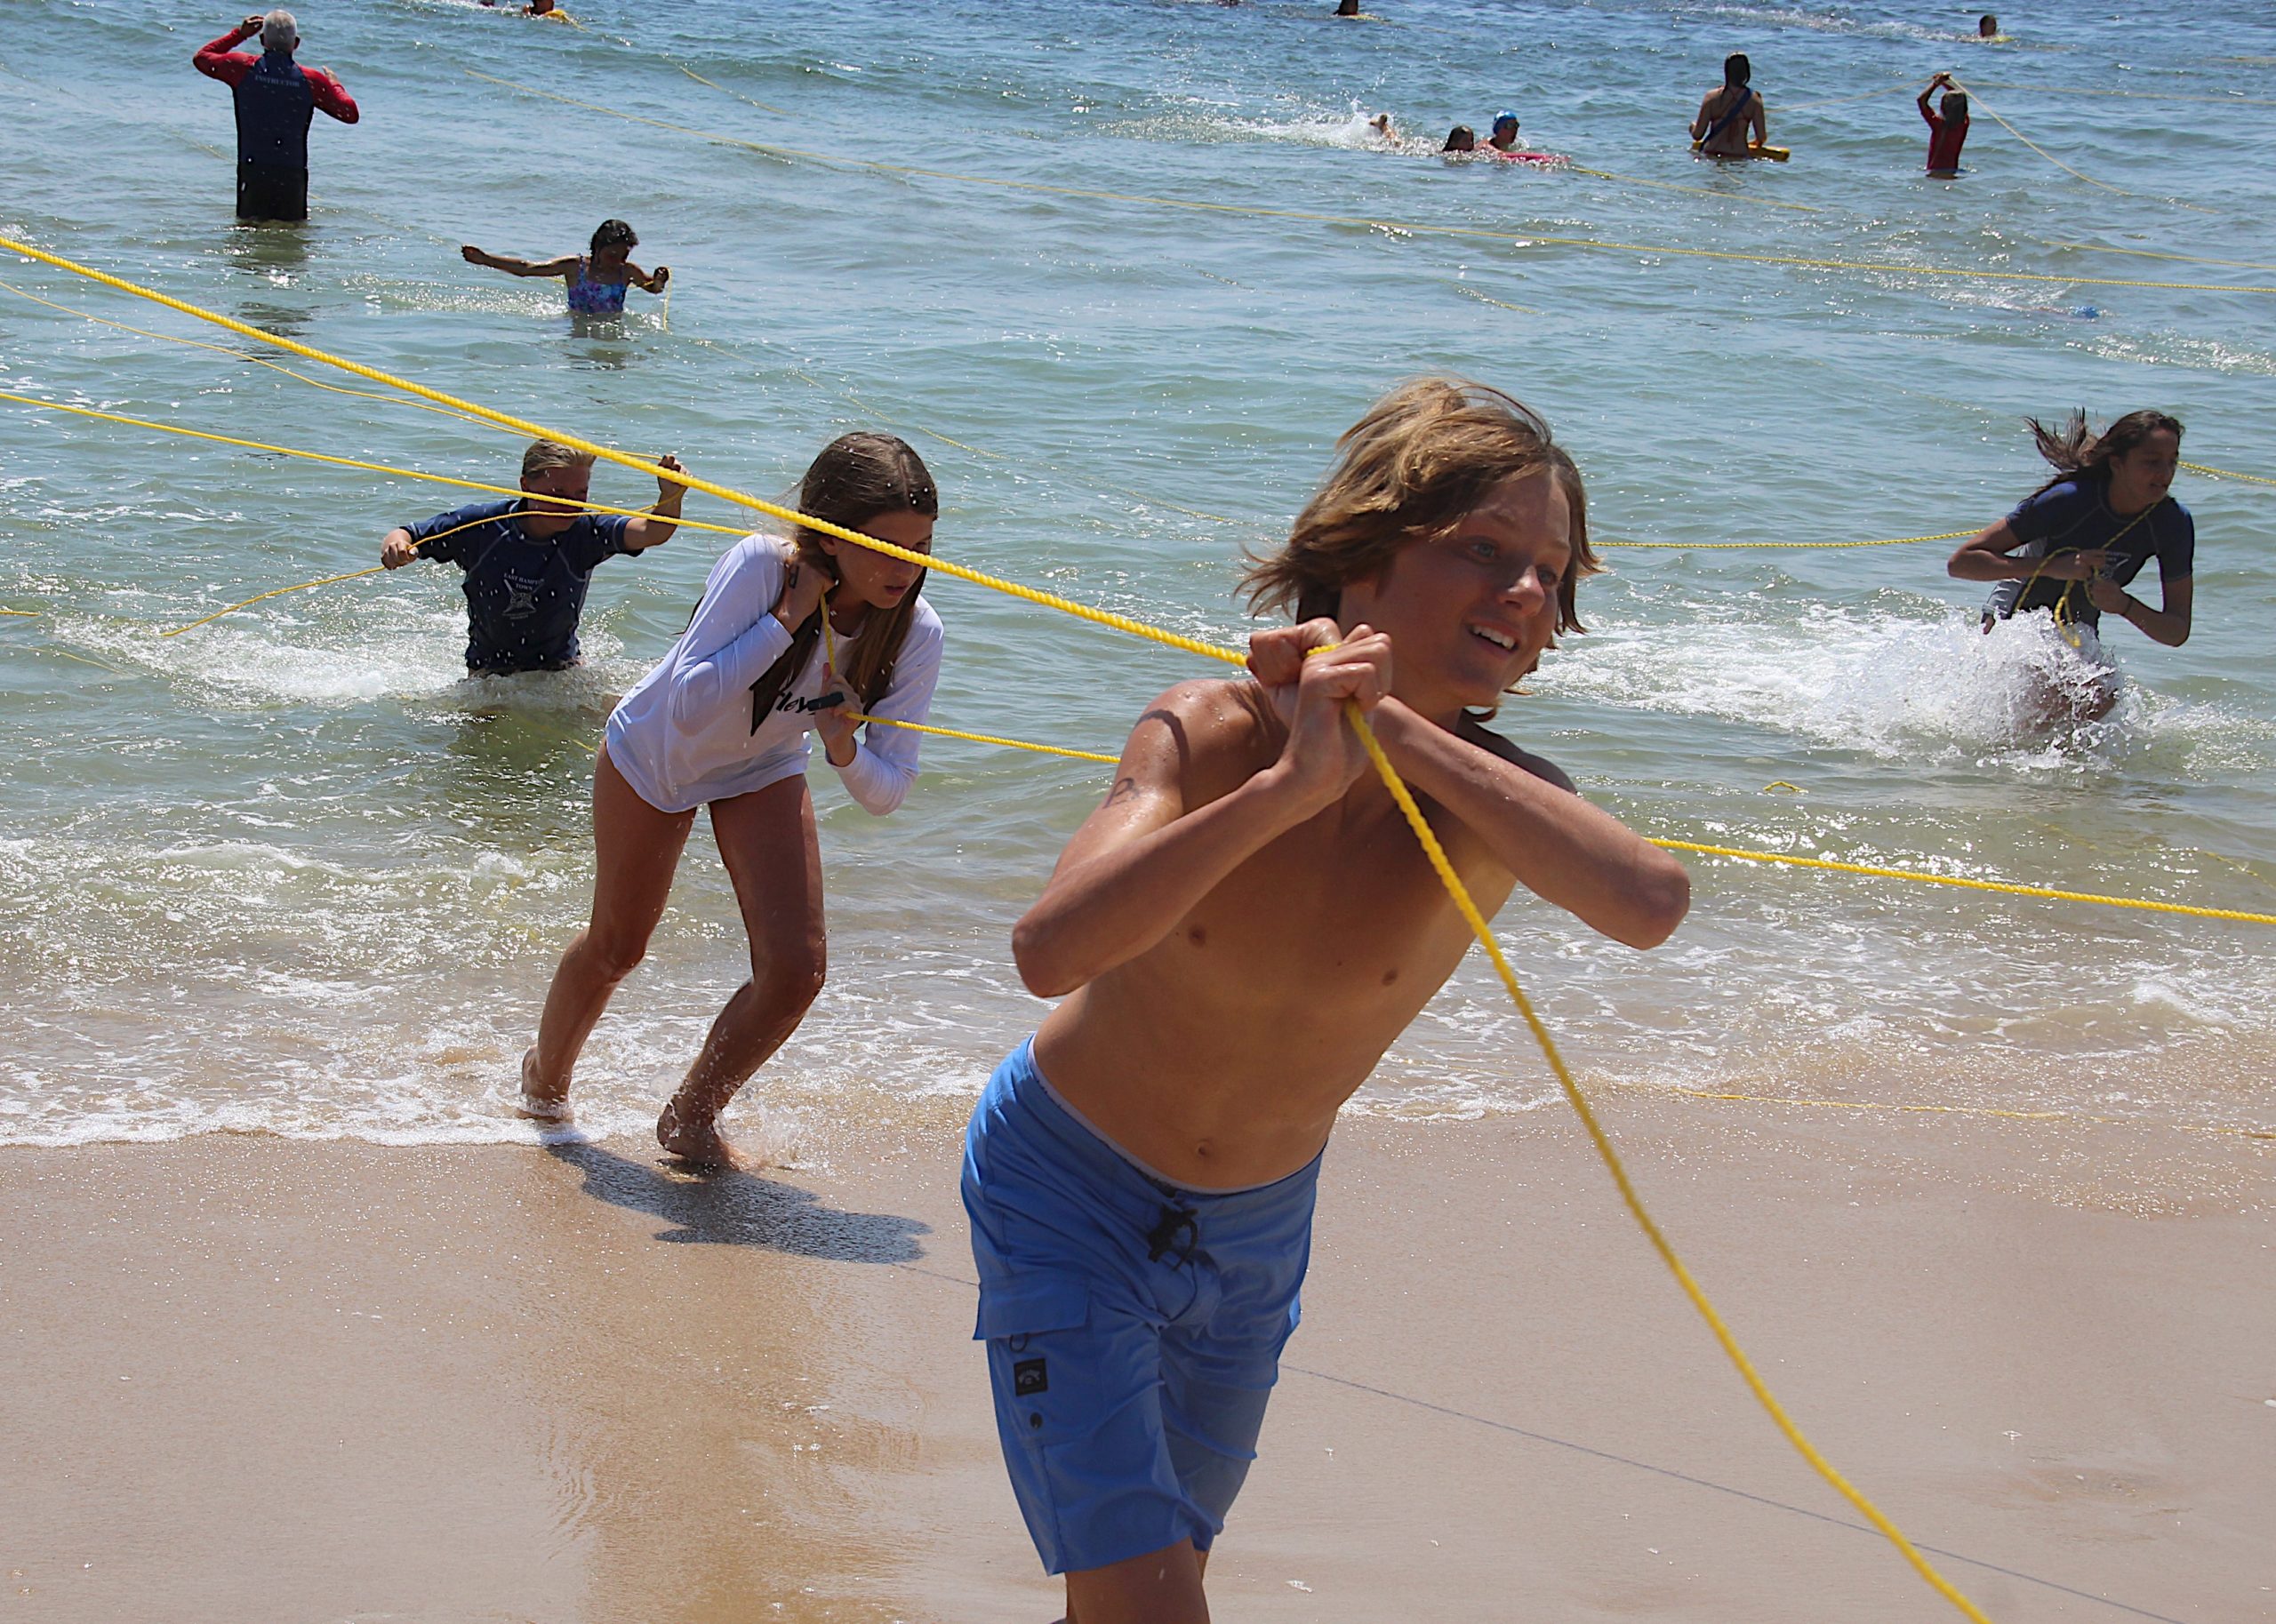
2072,547
1947,127
1503,136
597,281
1731,119
1238,933
1461,138
789,635
528,562
275,99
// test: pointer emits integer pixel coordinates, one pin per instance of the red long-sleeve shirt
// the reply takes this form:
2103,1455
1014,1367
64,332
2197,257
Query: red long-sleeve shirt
218,60
1945,136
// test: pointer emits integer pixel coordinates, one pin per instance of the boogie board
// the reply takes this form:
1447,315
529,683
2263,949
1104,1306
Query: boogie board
1755,149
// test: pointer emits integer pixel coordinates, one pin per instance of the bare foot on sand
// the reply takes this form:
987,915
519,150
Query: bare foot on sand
536,1102
698,1143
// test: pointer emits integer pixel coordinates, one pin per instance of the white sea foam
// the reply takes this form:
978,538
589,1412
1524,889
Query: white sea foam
1887,685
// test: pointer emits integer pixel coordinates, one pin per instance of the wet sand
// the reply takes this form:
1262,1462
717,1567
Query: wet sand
254,1378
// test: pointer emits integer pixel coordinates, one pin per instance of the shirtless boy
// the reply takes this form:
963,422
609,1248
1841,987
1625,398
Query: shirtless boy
1238,933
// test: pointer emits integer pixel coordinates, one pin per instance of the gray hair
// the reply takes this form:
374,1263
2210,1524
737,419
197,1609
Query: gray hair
280,30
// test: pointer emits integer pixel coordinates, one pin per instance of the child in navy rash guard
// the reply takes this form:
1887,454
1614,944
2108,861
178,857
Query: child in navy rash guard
527,562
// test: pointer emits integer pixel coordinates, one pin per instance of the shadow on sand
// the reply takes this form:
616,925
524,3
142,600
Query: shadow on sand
738,1209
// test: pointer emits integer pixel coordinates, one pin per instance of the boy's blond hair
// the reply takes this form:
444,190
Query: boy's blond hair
1426,454
543,454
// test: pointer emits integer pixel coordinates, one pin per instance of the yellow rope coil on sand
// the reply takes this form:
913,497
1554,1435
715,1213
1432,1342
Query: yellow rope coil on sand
1455,890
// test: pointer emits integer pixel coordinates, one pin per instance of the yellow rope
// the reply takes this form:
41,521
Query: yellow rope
789,515
1362,222
738,95
223,349
1014,744
2048,893
29,614
1628,1195
1453,882
2199,468
277,592
349,462
1975,101
1485,299
328,580
1949,535
1968,885
1952,1110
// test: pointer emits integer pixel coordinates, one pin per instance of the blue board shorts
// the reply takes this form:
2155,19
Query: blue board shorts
1134,1326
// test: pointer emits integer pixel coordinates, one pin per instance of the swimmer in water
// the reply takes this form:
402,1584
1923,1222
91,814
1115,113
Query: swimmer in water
2071,546
1503,136
1461,138
1731,119
1347,8
1987,27
1947,127
597,281
1235,936
1380,124
791,636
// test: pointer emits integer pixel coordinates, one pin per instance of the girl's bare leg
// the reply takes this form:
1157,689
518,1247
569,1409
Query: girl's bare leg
766,839
635,850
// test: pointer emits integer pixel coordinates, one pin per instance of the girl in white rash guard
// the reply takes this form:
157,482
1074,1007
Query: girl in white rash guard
723,721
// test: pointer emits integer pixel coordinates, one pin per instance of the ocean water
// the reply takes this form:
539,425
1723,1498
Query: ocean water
292,872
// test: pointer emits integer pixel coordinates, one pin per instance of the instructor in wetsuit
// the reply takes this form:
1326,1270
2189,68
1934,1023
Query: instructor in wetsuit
275,99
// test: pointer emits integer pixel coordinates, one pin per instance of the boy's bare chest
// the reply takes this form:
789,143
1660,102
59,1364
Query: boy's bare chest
1336,905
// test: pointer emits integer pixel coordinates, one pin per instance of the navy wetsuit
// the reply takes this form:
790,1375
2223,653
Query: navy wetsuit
2075,515
275,99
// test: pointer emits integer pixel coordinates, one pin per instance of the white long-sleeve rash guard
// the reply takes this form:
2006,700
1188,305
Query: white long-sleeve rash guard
682,737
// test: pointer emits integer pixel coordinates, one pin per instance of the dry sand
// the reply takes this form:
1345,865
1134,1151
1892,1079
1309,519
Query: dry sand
252,1378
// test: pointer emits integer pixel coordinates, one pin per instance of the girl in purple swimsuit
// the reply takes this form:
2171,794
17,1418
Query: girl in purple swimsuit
597,280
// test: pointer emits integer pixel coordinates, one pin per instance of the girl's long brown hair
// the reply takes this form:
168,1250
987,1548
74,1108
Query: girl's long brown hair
857,478
2075,453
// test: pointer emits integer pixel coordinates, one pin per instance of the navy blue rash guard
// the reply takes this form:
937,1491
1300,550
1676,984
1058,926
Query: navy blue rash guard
522,595
2075,515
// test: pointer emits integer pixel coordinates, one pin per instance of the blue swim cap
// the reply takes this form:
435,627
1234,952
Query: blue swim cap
1504,117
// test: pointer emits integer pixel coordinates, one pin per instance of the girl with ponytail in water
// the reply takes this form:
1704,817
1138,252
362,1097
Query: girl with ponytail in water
789,637
2072,547
1731,122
